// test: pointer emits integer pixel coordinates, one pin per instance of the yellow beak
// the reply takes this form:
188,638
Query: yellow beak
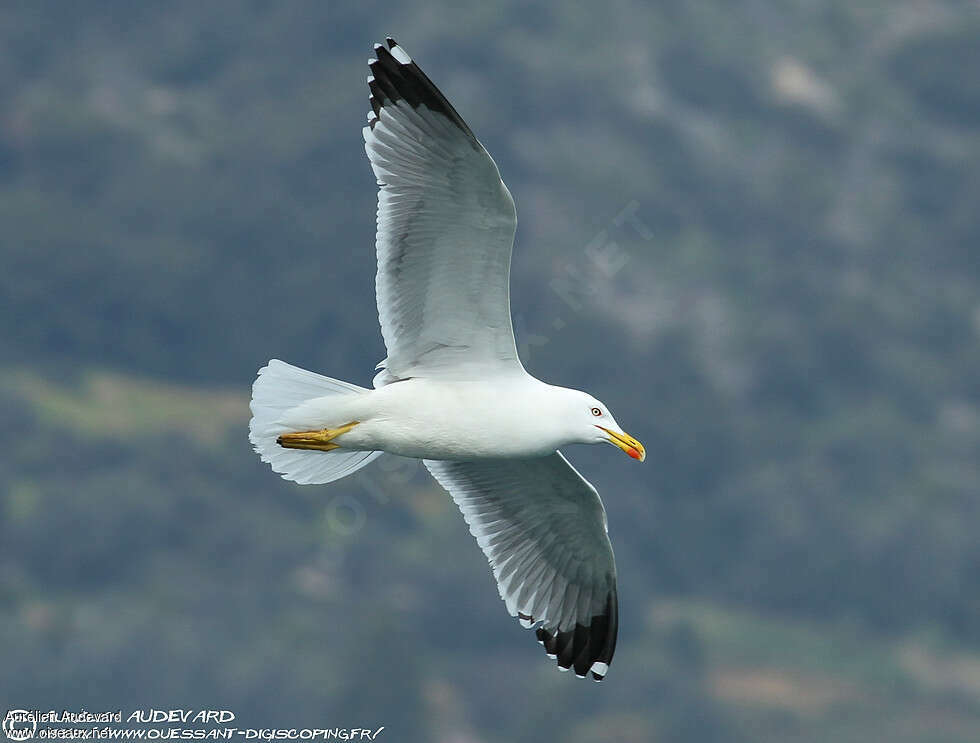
627,443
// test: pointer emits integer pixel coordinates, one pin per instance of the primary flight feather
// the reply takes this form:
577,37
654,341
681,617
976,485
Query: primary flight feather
452,390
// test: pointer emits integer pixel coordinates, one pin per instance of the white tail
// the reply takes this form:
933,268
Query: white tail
279,388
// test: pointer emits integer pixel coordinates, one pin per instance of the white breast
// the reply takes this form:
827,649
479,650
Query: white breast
434,419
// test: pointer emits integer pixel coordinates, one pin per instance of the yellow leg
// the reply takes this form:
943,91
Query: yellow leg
321,440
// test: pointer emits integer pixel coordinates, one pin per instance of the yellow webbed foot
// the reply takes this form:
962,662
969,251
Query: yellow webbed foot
322,440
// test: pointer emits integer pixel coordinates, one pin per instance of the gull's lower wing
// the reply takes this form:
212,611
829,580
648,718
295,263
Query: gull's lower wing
445,231
543,529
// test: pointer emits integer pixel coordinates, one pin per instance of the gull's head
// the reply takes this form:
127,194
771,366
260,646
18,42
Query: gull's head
594,424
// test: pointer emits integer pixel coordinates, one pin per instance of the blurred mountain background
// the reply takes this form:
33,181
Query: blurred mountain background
750,227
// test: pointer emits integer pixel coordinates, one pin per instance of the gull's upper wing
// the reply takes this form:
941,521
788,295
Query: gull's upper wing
543,529
445,231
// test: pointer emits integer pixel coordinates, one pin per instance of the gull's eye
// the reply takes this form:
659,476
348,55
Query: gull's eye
596,412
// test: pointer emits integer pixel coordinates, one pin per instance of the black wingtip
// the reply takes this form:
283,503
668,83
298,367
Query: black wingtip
587,648
397,77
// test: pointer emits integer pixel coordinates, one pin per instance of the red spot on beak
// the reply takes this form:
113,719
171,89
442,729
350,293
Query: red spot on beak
633,453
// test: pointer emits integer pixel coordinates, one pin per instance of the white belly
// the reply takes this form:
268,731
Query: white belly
433,419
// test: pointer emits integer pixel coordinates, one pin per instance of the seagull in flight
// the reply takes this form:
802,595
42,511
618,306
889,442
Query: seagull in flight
452,390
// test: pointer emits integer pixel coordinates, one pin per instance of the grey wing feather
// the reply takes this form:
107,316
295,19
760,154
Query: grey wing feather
542,527
445,231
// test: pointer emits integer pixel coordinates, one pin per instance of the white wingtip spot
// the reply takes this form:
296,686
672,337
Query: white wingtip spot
370,79
398,53
372,61
563,669
551,655
600,668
